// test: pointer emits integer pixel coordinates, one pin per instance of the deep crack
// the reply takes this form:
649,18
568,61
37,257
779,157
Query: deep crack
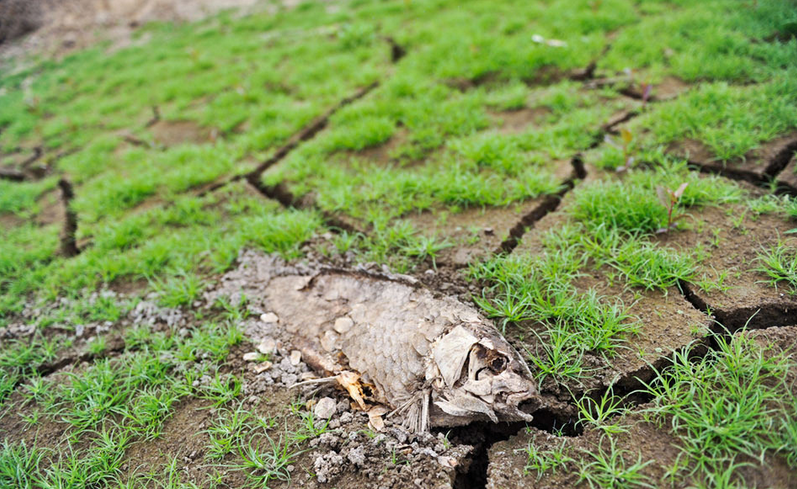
306,133
69,246
483,435
729,322
309,131
548,205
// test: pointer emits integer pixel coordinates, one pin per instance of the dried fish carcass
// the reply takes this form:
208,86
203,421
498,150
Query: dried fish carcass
433,360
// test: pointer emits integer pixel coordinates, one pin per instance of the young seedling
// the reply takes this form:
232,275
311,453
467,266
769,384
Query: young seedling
670,199
628,158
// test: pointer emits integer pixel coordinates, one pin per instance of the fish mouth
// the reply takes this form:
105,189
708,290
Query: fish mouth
518,406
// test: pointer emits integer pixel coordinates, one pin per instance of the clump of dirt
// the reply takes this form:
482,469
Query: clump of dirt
757,166
787,179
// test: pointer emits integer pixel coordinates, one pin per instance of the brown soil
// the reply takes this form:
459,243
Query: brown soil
742,236
518,121
15,159
757,166
173,133
474,233
8,221
52,209
384,154
46,432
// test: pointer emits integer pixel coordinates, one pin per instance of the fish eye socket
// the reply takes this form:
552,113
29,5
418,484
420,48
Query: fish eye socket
498,364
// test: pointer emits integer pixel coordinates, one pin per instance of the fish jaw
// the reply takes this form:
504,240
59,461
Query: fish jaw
510,410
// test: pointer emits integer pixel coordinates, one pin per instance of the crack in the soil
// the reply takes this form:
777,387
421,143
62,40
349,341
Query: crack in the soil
729,322
156,117
311,130
38,152
627,388
550,204
775,166
28,172
483,435
129,138
281,194
306,133
69,246
397,51
46,369
12,175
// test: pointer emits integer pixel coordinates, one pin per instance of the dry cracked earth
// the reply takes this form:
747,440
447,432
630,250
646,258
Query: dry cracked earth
324,439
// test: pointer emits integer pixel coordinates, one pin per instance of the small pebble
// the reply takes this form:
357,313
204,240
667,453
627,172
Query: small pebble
448,462
269,317
252,356
344,324
296,357
259,369
325,408
267,347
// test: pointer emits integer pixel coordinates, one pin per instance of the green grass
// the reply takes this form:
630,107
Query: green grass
545,461
252,82
779,264
729,120
733,402
615,467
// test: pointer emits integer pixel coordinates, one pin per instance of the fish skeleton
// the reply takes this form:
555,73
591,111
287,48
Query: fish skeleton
433,360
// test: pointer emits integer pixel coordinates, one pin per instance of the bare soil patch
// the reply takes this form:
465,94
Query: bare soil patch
734,238
474,233
518,121
174,133
384,154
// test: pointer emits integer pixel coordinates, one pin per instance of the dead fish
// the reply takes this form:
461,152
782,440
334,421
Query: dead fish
433,360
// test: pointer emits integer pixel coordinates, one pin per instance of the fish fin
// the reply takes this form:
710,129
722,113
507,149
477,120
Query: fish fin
416,418
451,351
425,399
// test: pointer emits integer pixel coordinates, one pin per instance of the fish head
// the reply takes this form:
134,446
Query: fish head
483,376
